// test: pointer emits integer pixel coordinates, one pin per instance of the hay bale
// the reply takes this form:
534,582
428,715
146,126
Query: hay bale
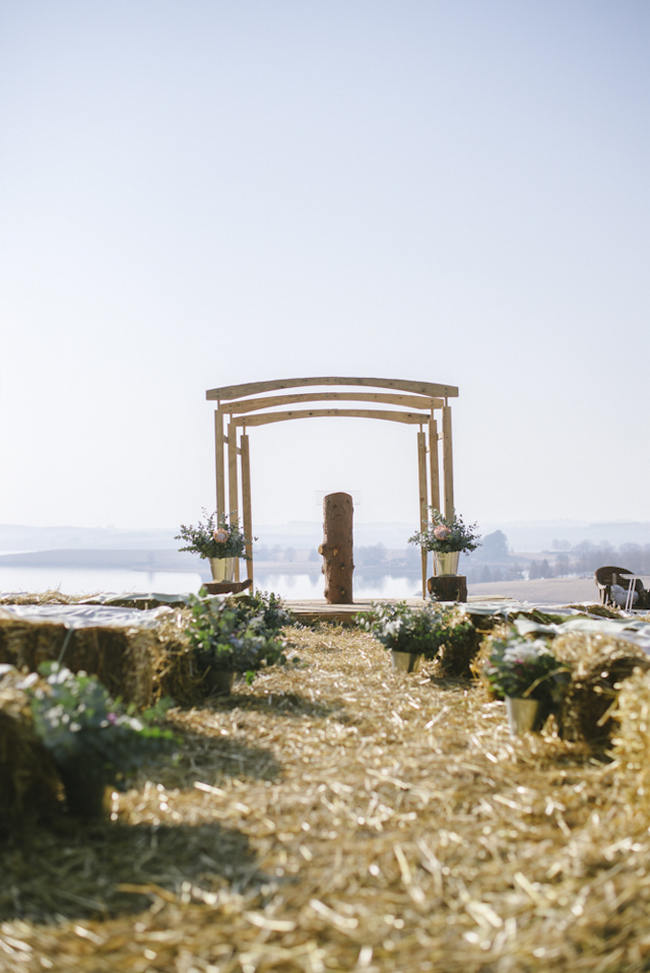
497,633
174,673
137,665
121,658
599,664
631,741
50,597
29,784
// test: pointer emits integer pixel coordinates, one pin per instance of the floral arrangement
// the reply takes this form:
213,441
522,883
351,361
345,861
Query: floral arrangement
213,537
446,534
522,668
418,630
265,607
237,634
82,726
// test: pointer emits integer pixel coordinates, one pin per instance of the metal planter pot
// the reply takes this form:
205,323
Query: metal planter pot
223,568
445,562
406,661
522,714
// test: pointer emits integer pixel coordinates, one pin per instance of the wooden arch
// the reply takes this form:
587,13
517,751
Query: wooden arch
240,407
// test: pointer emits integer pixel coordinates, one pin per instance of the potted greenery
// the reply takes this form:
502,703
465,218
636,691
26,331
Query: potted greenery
229,635
410,634
216,539
94,742
447,537
529,677
267,606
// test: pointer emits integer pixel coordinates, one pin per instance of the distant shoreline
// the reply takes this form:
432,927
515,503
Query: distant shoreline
556,591
567,590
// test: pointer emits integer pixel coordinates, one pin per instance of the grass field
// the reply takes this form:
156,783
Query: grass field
339,816
559,591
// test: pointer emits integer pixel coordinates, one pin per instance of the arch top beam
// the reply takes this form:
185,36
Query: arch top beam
430,389
263,419
388,398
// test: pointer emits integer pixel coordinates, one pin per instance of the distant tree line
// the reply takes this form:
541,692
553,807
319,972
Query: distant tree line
585,557
492,561
581,559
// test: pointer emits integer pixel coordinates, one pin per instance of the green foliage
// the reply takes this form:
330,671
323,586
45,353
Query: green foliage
459,647
212,538
446,534
421,630
268,605
520,667
79,723
236,634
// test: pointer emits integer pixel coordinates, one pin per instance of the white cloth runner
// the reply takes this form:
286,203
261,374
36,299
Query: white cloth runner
87,616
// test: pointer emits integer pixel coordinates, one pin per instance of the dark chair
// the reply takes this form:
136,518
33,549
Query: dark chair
607,576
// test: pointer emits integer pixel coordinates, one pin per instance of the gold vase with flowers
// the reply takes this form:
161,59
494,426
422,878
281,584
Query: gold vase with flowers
446,538
219,540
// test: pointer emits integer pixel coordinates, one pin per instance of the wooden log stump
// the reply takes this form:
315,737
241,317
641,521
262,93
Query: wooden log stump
448,587
336,548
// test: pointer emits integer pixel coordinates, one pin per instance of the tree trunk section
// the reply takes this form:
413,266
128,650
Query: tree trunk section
448,587
337,548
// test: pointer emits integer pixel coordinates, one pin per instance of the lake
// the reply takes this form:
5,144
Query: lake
87,581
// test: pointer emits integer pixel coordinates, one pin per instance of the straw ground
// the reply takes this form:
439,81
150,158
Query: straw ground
338,816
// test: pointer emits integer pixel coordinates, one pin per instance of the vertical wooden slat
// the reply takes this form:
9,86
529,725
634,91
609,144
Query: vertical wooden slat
233,498
448,461
434,467
246,504
220,472
422,483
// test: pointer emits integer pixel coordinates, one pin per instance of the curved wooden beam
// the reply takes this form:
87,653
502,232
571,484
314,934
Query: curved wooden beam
404,385
410,401
413,418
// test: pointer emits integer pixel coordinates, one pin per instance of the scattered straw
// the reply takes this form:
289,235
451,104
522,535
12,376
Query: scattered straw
341,816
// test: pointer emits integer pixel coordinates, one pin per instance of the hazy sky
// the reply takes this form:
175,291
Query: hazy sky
196,194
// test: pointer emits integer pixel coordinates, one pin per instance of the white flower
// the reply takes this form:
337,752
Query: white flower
525,651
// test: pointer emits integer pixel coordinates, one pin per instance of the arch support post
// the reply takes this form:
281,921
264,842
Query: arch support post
434,465
233,489
220,473
247,513
422,485
448,462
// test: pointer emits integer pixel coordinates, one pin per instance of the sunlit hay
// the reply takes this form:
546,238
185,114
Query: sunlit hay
631,741
602,611
339,815
29,785
599,663
498,633
50,597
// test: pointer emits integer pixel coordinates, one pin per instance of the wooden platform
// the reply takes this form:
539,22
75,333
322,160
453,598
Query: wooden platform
226,587
317,610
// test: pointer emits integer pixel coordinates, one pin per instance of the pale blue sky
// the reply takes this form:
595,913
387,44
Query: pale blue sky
196,194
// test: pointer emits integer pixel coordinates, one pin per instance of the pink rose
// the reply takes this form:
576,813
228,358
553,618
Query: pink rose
220,535
441,533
